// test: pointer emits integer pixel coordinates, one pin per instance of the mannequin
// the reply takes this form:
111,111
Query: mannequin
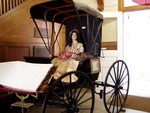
74,45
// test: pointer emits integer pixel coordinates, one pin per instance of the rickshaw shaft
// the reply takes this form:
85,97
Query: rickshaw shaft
100,83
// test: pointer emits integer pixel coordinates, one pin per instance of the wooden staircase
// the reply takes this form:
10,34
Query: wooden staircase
7,5
14,13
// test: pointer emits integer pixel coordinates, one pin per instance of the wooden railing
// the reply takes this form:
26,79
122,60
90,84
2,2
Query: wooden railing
7,5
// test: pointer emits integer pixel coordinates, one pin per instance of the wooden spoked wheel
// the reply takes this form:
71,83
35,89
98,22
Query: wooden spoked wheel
116,87
70,93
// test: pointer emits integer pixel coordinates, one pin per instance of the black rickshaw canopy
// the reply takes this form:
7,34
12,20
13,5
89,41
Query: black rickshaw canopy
67,12
58,10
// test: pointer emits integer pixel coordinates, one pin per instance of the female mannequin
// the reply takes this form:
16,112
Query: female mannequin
75,46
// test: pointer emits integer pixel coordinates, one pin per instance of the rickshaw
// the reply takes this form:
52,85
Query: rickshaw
79,96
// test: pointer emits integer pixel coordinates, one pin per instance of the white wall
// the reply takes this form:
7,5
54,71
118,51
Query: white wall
135,46
136,51
110,5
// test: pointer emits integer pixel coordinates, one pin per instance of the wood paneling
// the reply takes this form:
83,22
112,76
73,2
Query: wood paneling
109,45
40,51
17,52
1,53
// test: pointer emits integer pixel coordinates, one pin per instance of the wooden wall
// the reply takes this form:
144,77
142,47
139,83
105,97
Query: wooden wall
109,45
22,41
17,51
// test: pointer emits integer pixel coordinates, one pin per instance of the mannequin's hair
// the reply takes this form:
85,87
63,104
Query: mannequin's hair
70,36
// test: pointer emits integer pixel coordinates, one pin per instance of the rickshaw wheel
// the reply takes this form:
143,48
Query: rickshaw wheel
116,87
73,96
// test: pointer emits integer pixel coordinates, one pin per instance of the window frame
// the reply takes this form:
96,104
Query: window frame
121,7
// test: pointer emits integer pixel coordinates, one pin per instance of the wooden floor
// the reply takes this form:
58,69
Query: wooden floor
99,107
140,103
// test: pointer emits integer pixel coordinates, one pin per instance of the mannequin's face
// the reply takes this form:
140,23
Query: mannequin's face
74,36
